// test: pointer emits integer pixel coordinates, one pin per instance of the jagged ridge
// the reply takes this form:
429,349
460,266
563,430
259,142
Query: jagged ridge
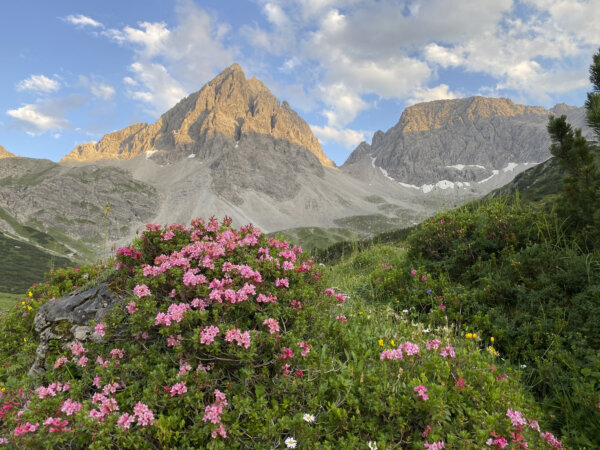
229,106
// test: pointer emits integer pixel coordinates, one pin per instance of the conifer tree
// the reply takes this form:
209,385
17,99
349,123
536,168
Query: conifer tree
580,199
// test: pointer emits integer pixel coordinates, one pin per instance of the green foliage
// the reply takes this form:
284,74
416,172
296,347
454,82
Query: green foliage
353,394
23,264
502,270
579,203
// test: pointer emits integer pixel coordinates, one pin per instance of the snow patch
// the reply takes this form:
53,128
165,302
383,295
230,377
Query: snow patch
510,167
494,173
149,153
193,155
462,166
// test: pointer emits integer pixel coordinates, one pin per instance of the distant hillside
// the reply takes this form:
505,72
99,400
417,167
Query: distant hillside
24,264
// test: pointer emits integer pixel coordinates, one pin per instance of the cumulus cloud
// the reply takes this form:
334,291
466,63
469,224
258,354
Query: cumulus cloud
344,104
170,62
45,116
38,83
159,90
347,137
81,21
440,92
98,89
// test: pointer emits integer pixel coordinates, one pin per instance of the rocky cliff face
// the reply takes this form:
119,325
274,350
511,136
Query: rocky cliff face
5,154
226,113
459,141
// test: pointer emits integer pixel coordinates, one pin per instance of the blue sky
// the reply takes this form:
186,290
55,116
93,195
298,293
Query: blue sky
75,70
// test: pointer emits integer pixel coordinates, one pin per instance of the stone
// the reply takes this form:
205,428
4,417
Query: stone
67,319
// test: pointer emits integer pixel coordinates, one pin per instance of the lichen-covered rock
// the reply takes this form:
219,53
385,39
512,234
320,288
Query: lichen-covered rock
67,319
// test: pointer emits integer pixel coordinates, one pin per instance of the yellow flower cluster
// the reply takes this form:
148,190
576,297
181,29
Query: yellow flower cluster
471,335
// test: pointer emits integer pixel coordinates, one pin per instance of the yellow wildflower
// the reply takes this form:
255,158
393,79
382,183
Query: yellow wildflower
492,339
469,336
393,343
30,294
381,342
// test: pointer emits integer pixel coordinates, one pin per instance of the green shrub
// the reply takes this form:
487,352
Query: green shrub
306,365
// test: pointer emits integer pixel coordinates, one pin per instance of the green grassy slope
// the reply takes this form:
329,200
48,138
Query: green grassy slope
23,264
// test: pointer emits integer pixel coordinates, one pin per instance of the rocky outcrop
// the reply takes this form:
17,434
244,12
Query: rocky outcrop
5,154
463,140
67,319
229,106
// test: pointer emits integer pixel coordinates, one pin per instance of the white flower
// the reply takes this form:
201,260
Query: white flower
372,445
523,366
309,418
290,442
404,311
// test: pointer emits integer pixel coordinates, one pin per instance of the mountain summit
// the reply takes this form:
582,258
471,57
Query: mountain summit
469,141
5,154
226,113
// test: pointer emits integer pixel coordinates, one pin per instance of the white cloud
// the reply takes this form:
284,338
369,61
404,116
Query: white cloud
99,90
440,92
347,137
81,21
149,38
45,115
38,83
170,62
344,104
130,81
161,91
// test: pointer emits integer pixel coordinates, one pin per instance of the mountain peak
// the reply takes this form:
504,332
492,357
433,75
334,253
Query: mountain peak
5,154
229,108
443,113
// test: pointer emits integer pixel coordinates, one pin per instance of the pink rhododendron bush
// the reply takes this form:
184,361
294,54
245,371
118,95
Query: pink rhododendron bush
229,339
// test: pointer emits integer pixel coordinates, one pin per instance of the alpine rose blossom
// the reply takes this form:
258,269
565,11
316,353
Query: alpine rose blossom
141,290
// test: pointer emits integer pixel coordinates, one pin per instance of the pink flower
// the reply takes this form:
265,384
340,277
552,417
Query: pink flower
306,348
534,425
220,431
423,277
141,290
199,304
125,421
516,417
60,361
286,353
117,353
184,367
178,389
329,292
391,354
242,339
410,348
174,341
282,282
25,428
442,306
132,307
551,440
82,361
286,370
413,272
341,298
144,415
448,352
100,329
70,407
435,445
421,392
207,336
341,318
460,383
433,344
78,349
272,324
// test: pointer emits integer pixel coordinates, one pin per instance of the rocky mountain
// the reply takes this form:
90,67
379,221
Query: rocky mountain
226,112
63,209
230,149
5,154
474,143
